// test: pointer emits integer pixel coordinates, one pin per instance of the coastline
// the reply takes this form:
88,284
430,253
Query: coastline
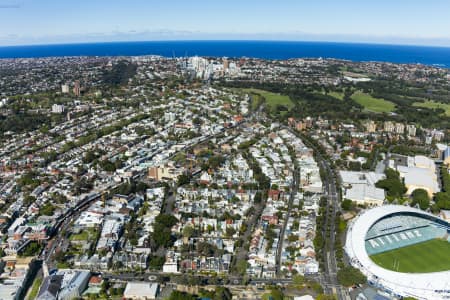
276,50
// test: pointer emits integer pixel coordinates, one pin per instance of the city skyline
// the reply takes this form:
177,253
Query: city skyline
403,22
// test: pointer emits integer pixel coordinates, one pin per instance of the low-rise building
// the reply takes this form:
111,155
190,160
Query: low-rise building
360,187
141,290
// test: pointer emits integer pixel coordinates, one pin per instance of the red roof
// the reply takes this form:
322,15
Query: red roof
95,280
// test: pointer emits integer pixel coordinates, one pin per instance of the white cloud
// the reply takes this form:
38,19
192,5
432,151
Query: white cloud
167,34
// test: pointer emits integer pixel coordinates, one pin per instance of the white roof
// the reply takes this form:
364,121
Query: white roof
406,284
421,161
370,178
362,192
441,147
419,177
141,290
305,297
362,186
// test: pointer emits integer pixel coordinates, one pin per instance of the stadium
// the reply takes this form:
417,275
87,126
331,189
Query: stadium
402,251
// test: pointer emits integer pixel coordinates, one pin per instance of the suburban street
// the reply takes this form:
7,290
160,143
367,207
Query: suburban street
294,190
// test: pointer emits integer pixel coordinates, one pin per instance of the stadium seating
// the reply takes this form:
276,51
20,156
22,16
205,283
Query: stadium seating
399,231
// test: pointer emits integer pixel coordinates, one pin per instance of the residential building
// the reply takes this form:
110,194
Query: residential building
57,108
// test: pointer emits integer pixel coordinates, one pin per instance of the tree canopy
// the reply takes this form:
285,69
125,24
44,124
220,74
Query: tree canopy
349,276
120,73
162,230
393,185
443,198
420,196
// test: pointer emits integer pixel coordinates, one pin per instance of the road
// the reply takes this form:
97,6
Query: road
333,206
57,238
294,190
242,252
152,276
329,277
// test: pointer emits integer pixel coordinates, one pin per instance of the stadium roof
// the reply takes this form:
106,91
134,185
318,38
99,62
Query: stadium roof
420,285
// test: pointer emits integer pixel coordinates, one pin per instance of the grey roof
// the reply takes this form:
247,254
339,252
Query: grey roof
50,287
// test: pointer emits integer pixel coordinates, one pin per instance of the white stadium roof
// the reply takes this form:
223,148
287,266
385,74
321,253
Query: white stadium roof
419,285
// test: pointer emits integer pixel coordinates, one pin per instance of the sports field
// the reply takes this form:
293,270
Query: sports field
426,257
373,104
272,99
432,104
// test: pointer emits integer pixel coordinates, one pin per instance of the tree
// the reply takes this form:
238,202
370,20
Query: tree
420,196
89,156
207,249
166,220
317,287
354,166
197,121
177,295
347,204
162,230
31,249
247,144
107,165
326,297
183,179
276,294
241,266
188,231
215,161
47,209
156,262
141,186
349,276
318,241
222,293
292,238
443,200
49,156
258,197
230,231
28,200
298,279
120,73
394,187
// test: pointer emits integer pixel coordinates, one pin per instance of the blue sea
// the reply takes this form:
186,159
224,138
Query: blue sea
437,56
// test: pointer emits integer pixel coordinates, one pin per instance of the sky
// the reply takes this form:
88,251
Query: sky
417,22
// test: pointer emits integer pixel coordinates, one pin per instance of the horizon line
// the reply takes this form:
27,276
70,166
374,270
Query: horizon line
227,40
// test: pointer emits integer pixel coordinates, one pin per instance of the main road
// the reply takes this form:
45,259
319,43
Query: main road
329,277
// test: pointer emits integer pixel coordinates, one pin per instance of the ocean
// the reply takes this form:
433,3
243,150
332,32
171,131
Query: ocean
436,56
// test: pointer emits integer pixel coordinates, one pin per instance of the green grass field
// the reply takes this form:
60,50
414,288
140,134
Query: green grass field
35,288
426,257
84,235
337,95
272,99
432,104
373,104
